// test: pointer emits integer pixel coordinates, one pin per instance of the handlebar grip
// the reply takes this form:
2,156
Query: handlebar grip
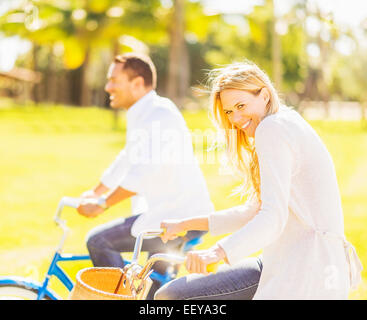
212,267
180,234
71,202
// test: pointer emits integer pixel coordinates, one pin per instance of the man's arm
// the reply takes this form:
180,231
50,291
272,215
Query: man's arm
91,210
95,192
118,195
100,189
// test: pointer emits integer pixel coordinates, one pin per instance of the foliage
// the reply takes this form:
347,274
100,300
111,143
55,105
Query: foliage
84,34
350,78
81,25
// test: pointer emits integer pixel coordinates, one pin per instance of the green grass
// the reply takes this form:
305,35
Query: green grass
51,151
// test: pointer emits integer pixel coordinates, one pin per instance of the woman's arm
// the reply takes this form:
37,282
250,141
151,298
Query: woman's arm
232,219
276,161
198,223
217,223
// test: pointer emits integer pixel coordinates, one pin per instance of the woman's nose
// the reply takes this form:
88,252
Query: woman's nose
237,118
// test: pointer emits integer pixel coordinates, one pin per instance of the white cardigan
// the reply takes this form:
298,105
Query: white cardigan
299,224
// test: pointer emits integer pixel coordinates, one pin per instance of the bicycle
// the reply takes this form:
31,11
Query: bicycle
15,287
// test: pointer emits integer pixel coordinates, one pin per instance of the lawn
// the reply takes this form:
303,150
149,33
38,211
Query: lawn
51,151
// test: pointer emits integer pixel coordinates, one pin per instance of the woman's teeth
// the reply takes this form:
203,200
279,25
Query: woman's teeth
246,125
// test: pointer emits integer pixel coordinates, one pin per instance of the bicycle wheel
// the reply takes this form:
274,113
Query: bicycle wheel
19,292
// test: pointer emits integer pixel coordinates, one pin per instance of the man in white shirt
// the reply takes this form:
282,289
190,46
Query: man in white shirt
157,167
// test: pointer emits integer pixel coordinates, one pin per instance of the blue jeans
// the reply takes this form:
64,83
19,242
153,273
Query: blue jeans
105,244
229,283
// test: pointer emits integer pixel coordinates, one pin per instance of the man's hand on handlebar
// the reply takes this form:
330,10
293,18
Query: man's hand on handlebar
90,209
89,194
95,192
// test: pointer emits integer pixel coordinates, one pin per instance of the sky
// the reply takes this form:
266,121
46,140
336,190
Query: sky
346,12
350,12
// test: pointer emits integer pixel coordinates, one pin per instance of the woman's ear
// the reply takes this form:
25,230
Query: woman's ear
265,94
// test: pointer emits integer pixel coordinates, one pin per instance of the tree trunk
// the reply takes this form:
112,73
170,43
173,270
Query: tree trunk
52,84
178,66
35,88
276,51
324,90
85,91
116,113
79,89
184,75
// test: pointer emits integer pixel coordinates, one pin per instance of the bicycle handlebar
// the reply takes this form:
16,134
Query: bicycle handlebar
65,202
139,241
75,202
211,268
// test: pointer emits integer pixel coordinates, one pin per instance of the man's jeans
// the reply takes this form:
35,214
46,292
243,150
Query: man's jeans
229,283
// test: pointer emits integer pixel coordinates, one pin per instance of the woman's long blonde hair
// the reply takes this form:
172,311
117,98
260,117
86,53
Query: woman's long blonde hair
241,151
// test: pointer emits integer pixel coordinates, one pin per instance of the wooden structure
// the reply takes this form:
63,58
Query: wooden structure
18,83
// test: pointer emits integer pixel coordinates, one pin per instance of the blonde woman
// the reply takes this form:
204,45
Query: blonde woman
293,211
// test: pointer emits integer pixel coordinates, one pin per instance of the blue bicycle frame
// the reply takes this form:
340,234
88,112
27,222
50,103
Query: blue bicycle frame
55,270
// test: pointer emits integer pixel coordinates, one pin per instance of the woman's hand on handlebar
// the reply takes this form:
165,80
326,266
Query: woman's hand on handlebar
172,229
177,228
199,260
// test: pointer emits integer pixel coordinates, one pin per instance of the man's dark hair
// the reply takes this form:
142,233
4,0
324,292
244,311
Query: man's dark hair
137,64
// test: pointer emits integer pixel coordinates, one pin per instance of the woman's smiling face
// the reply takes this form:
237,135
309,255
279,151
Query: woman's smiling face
244,109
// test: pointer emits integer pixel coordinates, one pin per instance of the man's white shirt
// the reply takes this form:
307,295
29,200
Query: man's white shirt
158,163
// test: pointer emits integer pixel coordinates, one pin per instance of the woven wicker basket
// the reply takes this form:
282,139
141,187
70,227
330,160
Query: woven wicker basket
100,284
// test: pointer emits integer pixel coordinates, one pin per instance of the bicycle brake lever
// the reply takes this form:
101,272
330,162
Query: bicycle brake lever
142,283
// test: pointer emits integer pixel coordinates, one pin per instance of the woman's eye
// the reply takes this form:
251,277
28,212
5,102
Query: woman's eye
227,112
240,106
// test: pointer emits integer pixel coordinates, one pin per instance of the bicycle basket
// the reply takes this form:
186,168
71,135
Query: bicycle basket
101,284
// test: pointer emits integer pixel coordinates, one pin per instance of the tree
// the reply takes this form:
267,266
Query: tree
276,52
80,27
179,65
